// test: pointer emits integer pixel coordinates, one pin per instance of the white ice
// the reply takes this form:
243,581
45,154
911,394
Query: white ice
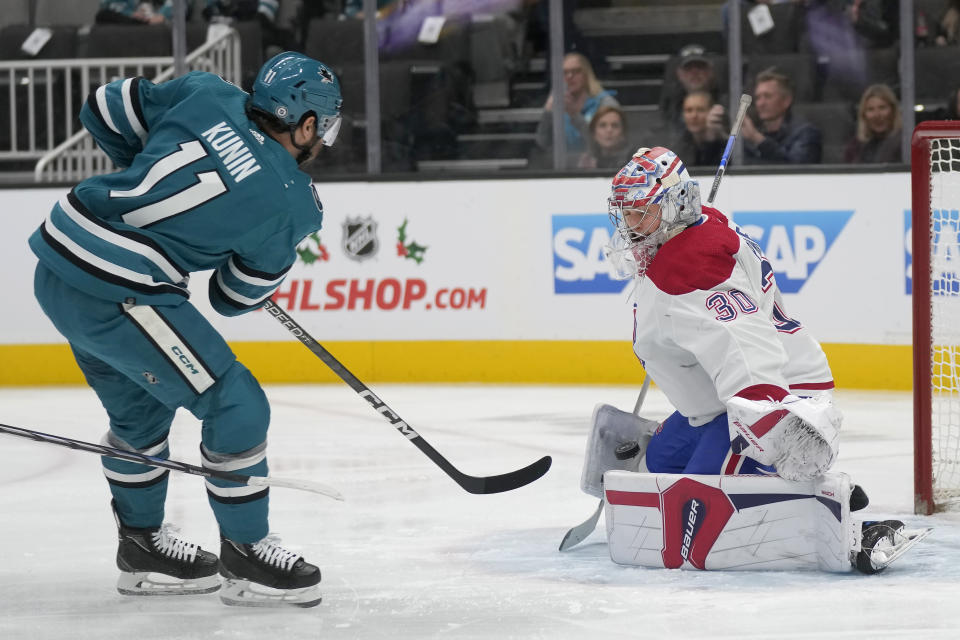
411,555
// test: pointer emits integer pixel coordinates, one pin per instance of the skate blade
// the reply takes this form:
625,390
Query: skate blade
883,558
243,593
158,584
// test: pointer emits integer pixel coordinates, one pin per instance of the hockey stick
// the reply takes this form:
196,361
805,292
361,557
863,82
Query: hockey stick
132,456
473,484
579,533
642,396
745,101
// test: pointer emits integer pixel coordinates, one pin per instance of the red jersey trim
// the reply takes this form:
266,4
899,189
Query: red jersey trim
699,258
813,386
763,392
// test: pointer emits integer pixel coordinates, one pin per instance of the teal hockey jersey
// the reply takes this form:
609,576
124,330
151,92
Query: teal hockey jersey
202,188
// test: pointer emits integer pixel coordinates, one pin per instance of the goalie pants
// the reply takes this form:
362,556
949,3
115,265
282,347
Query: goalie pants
146,361
679,447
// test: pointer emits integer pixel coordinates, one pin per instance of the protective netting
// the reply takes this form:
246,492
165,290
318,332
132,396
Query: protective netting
945,319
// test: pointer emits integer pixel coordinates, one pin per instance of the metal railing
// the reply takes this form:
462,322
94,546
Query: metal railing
78,156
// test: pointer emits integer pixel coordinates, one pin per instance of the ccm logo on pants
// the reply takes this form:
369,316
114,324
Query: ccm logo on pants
156,328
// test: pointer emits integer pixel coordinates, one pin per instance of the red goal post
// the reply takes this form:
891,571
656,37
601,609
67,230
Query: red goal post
935,224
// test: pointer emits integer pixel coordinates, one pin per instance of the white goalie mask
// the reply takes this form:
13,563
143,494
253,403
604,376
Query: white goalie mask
652,199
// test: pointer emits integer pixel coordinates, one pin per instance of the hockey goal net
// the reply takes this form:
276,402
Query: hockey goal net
935,169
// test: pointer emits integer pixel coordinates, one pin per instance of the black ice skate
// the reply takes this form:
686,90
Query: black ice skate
264,574
155,561
883,542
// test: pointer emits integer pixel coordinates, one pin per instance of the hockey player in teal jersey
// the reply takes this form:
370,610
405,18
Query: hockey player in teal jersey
209,179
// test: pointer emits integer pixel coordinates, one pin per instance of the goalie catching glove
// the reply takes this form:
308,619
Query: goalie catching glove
799,436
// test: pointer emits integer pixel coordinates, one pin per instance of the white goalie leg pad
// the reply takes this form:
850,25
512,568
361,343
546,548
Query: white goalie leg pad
799,436
730,522
610,428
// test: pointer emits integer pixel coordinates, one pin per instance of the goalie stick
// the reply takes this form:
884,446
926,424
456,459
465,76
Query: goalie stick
579,533
472,484
133,456
745,101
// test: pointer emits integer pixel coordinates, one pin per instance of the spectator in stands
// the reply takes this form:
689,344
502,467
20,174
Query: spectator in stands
876,22
843,25
879,126
609,147
778,137
704,135
694,72
583,95
134,11
948,25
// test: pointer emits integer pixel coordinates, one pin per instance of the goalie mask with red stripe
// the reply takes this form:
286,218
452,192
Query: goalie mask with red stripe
651,200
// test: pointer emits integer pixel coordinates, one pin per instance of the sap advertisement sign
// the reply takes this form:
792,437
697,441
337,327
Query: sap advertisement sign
944,248
794,242
578,262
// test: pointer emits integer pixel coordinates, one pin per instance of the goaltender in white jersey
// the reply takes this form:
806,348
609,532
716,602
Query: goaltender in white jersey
755,429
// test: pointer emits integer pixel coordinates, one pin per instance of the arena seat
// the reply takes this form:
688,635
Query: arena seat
62,43
836,122
453,45
846,74
784,37
334,42
937,71
14,12
51,13
127,41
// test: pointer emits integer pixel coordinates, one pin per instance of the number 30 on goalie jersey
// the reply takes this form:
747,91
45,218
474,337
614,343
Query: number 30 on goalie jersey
781,321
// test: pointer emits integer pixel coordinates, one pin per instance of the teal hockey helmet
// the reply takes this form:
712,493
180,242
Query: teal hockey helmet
291,86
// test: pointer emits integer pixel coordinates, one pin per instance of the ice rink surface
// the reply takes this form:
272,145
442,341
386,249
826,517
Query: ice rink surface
411,555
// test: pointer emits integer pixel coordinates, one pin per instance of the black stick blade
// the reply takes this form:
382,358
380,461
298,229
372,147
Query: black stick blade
506,481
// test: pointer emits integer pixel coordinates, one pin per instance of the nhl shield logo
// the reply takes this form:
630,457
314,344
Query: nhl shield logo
360,238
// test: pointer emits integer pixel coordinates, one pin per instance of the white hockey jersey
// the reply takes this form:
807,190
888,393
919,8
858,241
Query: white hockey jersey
709,324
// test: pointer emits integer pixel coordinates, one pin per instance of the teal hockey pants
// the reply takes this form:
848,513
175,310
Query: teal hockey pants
144,362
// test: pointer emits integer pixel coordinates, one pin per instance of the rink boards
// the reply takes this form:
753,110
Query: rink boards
504,281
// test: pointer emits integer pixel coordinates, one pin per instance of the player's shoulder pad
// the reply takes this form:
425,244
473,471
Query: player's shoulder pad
699,258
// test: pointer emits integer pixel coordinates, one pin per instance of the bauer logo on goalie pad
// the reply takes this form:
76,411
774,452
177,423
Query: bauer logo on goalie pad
794,242
694,511
578,262
693,515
